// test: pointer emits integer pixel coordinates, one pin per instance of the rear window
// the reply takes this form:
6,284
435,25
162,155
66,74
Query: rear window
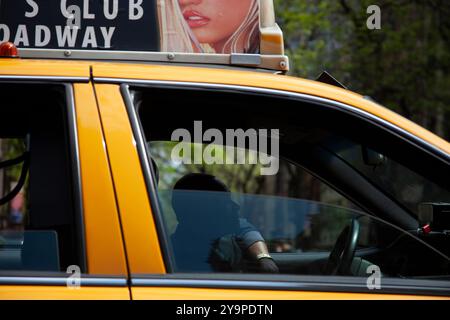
39,213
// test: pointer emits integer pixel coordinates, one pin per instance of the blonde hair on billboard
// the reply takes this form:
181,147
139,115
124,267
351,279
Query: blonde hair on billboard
177,36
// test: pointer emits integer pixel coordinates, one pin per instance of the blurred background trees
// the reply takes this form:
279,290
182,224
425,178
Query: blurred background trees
404,66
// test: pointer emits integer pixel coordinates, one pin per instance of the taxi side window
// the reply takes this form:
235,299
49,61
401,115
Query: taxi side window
224,212
309,213
293,212
37,212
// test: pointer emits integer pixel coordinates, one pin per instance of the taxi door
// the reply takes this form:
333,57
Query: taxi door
60,235
138,117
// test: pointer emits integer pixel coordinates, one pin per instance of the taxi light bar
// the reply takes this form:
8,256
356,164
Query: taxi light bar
8,50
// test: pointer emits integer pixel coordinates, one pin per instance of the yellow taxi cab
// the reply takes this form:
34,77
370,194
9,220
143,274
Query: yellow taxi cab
137,167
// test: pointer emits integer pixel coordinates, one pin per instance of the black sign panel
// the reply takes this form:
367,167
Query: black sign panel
125,25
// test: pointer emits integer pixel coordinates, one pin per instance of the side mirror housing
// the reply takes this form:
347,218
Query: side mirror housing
436,215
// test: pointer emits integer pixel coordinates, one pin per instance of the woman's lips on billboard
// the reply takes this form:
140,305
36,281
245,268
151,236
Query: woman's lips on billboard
195,19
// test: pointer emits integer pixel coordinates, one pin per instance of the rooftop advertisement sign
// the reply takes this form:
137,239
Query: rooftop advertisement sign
185,26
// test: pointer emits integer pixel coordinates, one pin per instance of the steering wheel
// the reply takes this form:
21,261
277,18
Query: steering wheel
341,257
25,159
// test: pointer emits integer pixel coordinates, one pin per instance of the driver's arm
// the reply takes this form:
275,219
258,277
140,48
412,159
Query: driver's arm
255,247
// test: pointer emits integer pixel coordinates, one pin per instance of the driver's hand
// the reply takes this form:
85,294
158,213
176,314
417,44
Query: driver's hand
267,265
264,263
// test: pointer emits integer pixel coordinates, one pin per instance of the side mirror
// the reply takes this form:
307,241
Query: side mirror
436,215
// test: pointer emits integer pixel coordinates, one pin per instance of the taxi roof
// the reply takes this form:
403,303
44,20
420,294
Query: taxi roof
125,72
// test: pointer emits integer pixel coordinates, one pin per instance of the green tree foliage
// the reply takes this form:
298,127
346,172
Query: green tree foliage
405,65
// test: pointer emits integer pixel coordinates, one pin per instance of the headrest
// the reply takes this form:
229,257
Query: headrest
215,195
200,181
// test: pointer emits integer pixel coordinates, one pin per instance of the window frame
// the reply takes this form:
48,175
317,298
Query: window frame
11,277
261,282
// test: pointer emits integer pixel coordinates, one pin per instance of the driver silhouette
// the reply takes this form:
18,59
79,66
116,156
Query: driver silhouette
210,235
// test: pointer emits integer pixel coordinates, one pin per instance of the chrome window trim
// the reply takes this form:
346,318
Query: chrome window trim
145,162
304,283
44,78
62,281
428,147
76,174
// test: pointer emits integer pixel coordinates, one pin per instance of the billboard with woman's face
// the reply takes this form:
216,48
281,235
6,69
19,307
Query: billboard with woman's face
188,26
209,26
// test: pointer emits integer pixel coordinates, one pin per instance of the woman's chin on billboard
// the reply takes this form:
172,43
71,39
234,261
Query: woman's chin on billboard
209,26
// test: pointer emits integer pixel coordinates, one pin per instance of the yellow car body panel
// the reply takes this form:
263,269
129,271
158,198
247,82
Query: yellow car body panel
44,68
104,244
157,293
139,231
63,293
